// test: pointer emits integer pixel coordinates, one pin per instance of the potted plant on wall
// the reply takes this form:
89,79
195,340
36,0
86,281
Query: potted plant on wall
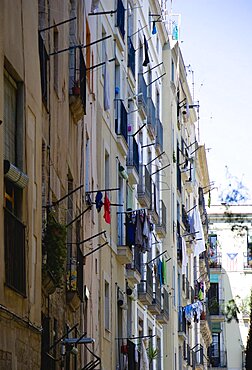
55,251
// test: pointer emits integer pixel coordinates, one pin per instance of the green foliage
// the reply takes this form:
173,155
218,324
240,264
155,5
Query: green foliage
249,340
55,248
231,311
152,353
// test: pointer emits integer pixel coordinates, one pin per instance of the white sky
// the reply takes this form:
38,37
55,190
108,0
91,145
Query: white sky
217,43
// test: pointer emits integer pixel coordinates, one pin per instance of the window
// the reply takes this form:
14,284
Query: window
14,230
43,58
120,17
106,306
10,118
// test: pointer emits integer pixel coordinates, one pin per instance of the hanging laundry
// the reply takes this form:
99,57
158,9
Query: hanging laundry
193,311
200,243
106,92
107,209
139,230
147,234
94,6
146,55
200,295
154,28
98,201
159,269
130,228
164,271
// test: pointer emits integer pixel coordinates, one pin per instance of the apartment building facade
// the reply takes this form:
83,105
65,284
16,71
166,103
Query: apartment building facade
21,127
110,174
228,296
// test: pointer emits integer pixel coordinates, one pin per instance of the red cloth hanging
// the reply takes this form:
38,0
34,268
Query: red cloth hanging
107,209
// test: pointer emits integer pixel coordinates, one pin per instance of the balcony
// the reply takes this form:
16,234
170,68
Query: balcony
145,288
133,161
161,226
142,95
131,57
14,249
77,84
159,136
74,277
218,359
215,261
133,269
205,328
247,261
163,316
124,248
198,357
151,118
181,322
155,306
154,206
121,127
120,18
185,220
144,187
216,309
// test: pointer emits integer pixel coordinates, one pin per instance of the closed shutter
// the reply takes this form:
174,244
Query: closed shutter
10,118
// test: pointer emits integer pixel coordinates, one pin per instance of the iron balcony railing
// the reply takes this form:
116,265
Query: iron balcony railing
144,185
159,134
157,294
78,75
146,285
133,153
120,17
14,248
197,355
137,260
215,260
121,120
151,114
216,307
217,358
131,56
142,91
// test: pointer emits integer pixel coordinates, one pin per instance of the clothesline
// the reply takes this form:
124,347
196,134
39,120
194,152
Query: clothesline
156,257
131,211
